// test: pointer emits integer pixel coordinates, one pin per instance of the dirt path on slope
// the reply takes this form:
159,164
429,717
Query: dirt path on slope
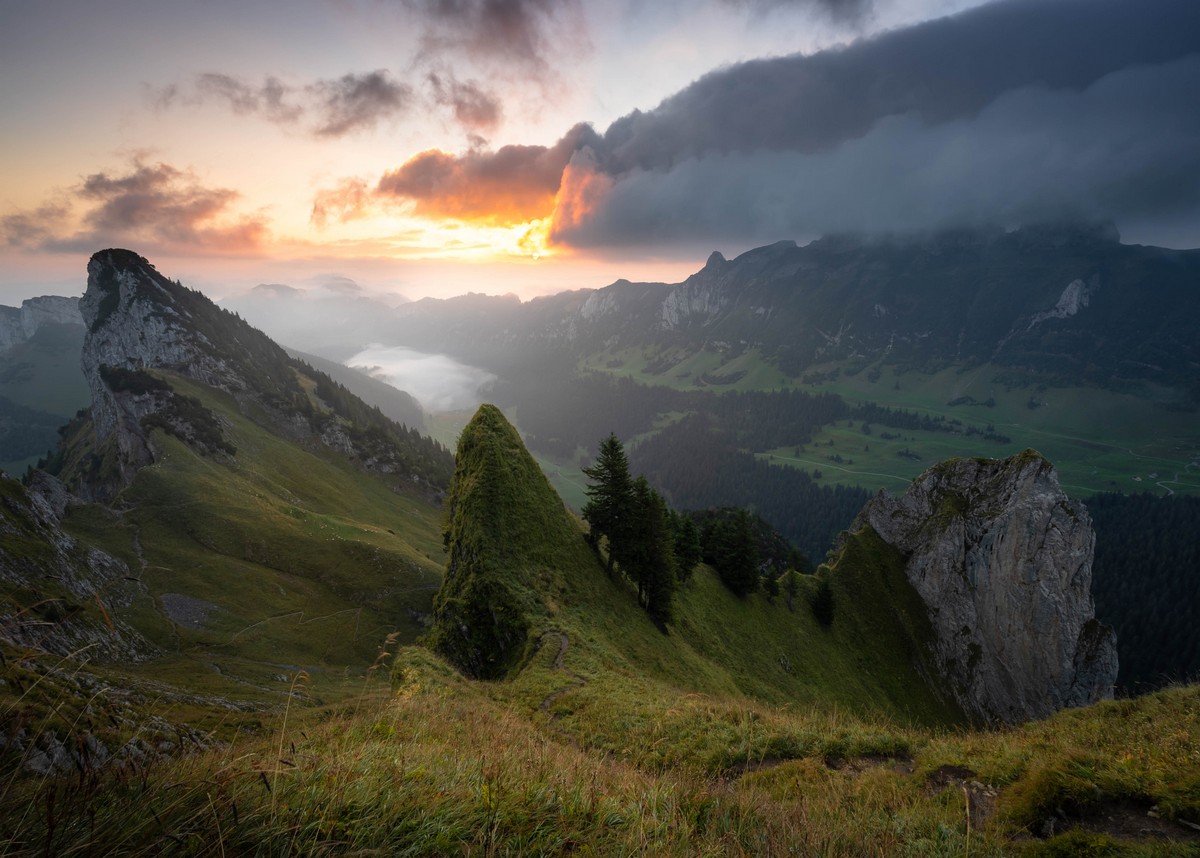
559,657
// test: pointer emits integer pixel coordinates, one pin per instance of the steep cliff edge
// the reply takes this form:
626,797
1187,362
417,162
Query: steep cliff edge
1003,561
143,327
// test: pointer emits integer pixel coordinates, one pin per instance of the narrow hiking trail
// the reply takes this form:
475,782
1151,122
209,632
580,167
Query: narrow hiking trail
559,657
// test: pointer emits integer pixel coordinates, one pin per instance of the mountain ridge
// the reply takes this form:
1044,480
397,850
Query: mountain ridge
139,321
922,302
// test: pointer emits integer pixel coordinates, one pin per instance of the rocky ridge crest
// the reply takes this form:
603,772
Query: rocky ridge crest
18,324
1003,561
138,320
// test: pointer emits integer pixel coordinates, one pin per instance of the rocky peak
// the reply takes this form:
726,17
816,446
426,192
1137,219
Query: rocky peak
18,324
140,322
1003,561
138,319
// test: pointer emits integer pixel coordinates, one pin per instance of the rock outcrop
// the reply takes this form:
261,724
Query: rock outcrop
70,590
1003,561
18,324
135,321
143,327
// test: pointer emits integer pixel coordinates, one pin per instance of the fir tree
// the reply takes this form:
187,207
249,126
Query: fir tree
647,552
686,543
610,496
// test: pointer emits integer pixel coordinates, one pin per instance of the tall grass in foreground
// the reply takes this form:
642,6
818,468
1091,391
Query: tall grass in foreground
443,766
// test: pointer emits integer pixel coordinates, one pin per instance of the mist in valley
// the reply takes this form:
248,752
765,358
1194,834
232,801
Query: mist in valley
438,382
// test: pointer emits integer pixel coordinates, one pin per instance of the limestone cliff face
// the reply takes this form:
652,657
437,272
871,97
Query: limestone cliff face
1003,561
135,322
18,324
139,321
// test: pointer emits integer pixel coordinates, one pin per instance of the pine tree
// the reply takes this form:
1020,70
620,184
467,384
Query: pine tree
686,539
610,496
647,554
729,547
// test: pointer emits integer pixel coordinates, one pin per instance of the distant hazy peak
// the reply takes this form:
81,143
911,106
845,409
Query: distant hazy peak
18,324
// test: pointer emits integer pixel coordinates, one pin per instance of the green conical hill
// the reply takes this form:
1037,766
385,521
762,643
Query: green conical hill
510,542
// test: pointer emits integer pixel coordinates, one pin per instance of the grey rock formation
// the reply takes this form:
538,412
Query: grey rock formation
134,322
60,577
143,328
18,324
1003,561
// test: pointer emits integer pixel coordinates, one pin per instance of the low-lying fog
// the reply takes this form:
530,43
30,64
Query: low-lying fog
438,382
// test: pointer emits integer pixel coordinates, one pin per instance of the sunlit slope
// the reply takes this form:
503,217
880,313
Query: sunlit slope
275,559
523,579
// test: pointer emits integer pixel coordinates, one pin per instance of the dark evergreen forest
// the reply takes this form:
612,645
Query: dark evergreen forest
1146,580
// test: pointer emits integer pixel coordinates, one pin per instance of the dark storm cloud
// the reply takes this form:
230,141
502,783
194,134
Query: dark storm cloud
526,33
151,205
474,108
1127,148
939,71
1025,109
330,108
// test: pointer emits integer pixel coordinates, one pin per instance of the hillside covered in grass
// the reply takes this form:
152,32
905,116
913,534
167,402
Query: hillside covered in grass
747,727
223,520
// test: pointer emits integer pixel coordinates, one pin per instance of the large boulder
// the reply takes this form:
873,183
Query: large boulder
1003,561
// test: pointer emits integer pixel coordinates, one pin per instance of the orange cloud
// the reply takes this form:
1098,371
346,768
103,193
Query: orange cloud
350,200
510,186
583,189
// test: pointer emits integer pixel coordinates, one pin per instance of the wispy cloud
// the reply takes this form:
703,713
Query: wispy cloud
350,200
357,102
326,108
840,11
474,108
529,34
153,206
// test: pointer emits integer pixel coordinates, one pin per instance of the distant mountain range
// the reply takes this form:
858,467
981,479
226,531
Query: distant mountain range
1065,304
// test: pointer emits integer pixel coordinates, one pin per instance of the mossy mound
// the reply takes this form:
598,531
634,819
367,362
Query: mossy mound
509,539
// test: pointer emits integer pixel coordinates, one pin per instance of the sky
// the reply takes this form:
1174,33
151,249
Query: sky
433,147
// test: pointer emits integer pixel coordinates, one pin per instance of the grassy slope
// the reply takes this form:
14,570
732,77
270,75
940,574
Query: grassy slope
748,729
299,560
448,766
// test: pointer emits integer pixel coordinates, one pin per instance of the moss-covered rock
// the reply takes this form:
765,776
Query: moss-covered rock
509,537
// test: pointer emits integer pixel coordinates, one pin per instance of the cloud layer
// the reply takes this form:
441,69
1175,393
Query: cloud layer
1017,110
438,382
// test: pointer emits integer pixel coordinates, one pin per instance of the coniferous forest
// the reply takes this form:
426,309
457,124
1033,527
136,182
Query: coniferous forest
1146,581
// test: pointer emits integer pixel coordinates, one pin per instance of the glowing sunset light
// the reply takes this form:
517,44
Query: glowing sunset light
579,142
